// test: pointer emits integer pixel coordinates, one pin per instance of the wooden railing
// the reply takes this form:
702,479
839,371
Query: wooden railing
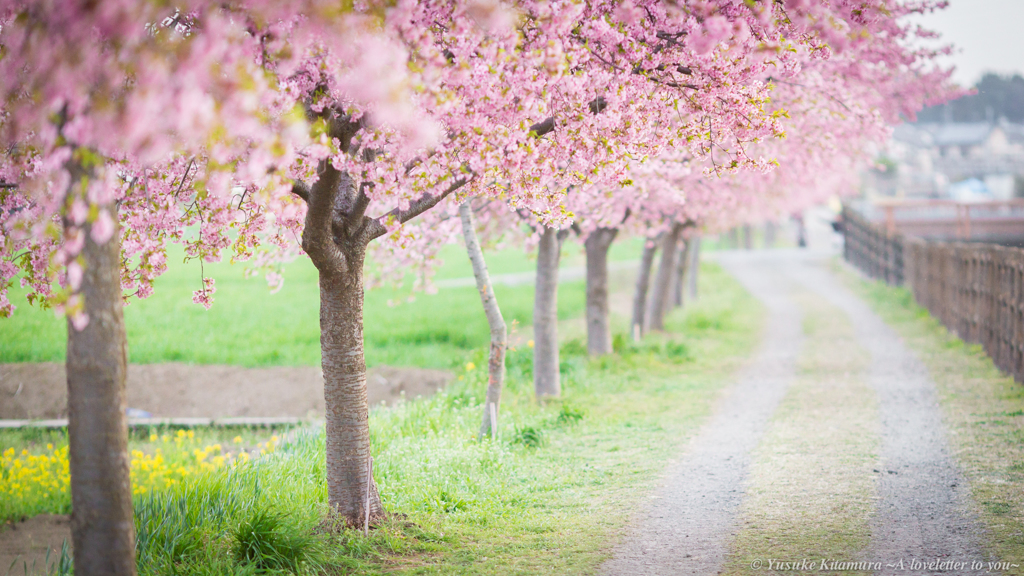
976,290
952,219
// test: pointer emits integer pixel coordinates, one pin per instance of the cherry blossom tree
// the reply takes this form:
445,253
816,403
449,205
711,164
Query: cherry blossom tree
272,134
102,104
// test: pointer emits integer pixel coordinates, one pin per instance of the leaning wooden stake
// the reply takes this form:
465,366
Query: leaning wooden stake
366,505
499,332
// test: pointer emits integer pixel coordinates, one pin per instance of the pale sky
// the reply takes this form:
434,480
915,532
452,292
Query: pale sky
988,33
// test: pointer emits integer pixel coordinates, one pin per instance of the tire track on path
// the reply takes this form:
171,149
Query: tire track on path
923,511
688,525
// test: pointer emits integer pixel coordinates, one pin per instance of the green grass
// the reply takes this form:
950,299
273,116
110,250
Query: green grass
249,326
549,496
982,408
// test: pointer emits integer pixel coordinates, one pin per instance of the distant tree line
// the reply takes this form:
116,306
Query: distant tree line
997,97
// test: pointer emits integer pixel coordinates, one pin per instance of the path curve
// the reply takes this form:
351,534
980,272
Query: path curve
923,504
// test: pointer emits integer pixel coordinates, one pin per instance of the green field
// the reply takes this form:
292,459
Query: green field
249,326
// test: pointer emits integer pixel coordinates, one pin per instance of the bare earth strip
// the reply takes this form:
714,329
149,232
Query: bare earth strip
923,512
688,525
810,495
39,390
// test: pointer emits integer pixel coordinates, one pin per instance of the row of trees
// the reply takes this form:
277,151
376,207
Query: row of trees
260,130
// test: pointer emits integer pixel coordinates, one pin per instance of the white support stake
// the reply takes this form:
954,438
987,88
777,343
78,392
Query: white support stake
369,480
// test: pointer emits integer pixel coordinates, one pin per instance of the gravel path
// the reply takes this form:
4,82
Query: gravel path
687,526
923,503
922,511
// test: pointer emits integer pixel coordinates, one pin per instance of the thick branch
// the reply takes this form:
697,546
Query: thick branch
301,189
317,237
359,207
596,106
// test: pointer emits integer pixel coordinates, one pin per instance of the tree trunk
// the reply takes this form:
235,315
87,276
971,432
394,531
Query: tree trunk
102,524
660,298
694,267
748,237
546,381
347,409
643,279
734,238
682,270
599,334
769,234
499,333
335,235
339,256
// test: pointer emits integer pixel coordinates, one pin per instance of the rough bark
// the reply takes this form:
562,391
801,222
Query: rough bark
499,332
599,334
662,293
694,267
546,381
102,525
682,270
748,237
643,279
347,410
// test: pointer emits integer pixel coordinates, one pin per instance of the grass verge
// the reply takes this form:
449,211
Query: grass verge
547,497
983,410
810,491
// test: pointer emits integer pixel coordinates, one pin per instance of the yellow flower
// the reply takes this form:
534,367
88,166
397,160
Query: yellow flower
152,437
470,366
237,439
529,343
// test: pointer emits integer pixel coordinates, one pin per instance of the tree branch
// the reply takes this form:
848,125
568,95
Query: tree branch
375,227
317,237
301,189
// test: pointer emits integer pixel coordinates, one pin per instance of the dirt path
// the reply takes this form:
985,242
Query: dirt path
687,527
922,509
709,507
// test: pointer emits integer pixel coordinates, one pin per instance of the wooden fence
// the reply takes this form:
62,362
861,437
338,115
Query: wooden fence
976,290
